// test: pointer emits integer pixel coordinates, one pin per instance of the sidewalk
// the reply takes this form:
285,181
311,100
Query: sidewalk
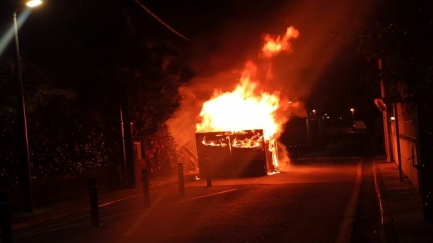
62,209
401,202
82,204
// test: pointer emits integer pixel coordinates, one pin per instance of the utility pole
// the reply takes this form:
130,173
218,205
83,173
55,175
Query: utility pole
127,139
124,176
397,135
384,115
307,122
26,174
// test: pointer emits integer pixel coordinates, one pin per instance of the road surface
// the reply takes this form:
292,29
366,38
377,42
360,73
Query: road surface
317,200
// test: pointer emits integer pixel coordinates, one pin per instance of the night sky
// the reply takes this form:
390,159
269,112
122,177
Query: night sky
324,70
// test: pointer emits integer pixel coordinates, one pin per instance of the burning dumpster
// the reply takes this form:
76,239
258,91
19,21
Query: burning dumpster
233,154
254,112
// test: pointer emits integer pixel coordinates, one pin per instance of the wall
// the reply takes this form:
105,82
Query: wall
408,143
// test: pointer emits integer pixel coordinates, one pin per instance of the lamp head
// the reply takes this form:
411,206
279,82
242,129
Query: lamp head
33,3
380,104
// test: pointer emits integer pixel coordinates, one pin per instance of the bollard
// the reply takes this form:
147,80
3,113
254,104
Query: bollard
5,218
208,173
181,179
146,190
93,196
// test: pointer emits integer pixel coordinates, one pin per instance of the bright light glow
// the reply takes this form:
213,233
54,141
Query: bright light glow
9,35
242,109
33,3
352,110
247,107
392,118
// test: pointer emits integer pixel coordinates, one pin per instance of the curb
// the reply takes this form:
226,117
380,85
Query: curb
82,204
388,231
401,207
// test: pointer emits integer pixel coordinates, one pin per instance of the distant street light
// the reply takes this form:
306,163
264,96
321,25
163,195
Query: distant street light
353,115
26,175
313,114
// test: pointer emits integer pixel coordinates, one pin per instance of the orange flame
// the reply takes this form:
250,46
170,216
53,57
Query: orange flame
243,109
274,46
246,107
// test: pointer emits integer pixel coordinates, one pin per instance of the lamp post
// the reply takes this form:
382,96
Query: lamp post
26,175
353,115
386,132
307,123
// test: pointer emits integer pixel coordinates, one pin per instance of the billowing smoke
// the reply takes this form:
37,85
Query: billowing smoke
183,123
324,26
251,105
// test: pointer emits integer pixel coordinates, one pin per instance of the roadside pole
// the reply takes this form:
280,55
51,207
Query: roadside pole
94,206
181,179
5,218
208,173
146,188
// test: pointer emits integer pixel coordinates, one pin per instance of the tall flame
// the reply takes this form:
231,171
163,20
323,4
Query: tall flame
282,43
245,108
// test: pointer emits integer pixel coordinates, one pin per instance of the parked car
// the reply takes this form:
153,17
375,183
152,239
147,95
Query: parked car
359,125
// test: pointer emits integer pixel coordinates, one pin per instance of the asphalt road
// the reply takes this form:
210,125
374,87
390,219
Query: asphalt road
317,200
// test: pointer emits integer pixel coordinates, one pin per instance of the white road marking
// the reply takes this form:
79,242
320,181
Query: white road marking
379,196
208,195
50,228
142,217
346,227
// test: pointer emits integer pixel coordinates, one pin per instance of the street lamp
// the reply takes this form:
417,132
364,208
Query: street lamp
353,116
26,175
33,3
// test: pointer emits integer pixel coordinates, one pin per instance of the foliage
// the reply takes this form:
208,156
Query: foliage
400,33
154,89
69,153
153,69
160,151
73,68
153,95
61,140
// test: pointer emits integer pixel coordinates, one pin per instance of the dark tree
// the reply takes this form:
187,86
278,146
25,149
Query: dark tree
400,34
76,56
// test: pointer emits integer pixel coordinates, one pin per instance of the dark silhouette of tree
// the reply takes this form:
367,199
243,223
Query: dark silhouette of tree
76,55
399,33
